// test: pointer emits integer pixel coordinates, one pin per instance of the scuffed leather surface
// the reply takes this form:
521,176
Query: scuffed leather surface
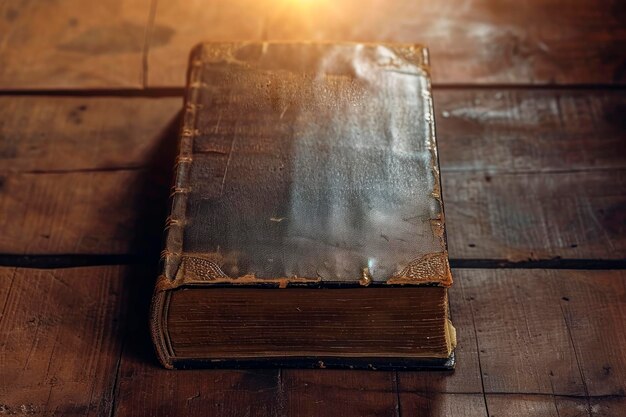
311,162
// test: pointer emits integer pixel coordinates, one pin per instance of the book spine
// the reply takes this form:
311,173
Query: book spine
171,256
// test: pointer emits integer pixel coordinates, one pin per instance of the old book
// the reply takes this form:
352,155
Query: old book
306,224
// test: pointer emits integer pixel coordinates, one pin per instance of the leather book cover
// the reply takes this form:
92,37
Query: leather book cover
304,165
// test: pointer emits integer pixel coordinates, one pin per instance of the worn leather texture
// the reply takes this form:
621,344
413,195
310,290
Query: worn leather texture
307,164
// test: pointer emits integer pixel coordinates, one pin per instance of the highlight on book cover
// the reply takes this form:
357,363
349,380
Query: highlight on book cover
306,225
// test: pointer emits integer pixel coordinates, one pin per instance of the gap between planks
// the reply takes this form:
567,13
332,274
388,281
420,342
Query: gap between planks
136,378
81,260
163,92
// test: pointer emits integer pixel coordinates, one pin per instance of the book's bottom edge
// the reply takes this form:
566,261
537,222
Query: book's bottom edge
413,364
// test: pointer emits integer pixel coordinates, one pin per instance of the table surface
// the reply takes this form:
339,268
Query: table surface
530,103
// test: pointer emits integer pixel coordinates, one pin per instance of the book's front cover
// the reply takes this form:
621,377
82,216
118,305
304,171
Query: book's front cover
307,164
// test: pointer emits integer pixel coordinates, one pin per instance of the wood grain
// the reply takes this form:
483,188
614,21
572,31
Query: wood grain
120,43
529,216
85,175
499,216
417,404
81,212
338,392
195,22
60,340
65,329
595,322
146,390
543,191
543,406
40,134
553,335
530,130
62,335
475,41
64,169
72,44
534,405
529,174
547,331
477,130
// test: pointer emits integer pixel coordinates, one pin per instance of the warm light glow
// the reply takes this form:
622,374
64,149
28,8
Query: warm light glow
311,20
309,4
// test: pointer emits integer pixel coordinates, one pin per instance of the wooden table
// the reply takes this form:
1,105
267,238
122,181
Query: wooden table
531,120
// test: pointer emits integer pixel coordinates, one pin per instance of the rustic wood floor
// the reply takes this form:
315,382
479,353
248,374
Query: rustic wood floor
530,102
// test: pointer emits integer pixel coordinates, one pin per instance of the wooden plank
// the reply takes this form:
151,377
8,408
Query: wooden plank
193,22
513,217
608,407
539,42
416,404
60,340
528,130
544,406
69,321
64,134
595,321
548,331
533,216
74,338
535,405
339,392
539,332
62,333
524,345
145,390
74,44
115,212
534,163
477,130
67,158
85,175
78,46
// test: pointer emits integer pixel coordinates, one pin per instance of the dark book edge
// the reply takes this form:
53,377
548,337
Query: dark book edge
382,364
158,314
